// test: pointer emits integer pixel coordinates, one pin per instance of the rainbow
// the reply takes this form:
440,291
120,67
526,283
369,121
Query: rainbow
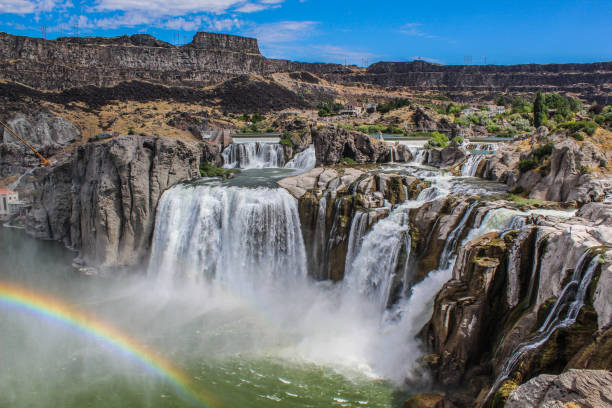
40,304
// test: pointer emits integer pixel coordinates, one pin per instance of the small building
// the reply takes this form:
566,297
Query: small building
7,198
496,110
351,110
470,110
371,107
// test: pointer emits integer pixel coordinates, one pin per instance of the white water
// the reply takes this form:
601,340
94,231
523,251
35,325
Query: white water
305,160
253,155
469,168
572,295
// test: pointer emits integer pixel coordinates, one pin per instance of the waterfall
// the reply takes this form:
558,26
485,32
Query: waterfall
253,155
305,160
418,154
392,152
469,168
572,299
239,237
451,241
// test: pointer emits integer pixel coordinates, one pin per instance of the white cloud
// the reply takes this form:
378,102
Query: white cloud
251,8
282,31
30,6
167,7
414,30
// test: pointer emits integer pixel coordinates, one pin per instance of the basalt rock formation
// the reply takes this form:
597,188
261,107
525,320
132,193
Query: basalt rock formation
213,58
333,144
592,81
498,322
105,62
567,174
101,200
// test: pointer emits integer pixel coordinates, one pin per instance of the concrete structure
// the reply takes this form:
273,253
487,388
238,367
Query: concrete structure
496,110
7,198
351,110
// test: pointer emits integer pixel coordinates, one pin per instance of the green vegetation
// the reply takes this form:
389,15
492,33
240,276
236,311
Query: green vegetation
392,105
347,161
458,139
437,140
543,151
289,139
522,201
539,116
208,170
329,108
453,109
131,131
528,164
520,105
462,120
586,126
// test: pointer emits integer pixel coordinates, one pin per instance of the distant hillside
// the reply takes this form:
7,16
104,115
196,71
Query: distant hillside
58,65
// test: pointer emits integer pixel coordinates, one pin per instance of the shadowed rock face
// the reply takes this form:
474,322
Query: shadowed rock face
102,199
333,144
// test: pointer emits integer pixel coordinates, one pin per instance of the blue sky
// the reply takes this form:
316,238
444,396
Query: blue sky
358,31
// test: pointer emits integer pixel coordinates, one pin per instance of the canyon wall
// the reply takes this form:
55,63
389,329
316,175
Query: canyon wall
101,200
212,58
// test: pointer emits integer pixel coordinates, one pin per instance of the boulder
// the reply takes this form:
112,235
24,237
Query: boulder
332,144
573,388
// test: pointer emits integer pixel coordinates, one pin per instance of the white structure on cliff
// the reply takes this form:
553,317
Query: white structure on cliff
7,197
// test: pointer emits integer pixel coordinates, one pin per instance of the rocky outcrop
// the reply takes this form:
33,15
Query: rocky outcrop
589,80
47,133
334,144
568,172
574,388
330,199
447,157
102,199
106,62
503,295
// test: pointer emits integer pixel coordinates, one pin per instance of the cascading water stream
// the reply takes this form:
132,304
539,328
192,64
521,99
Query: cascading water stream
469,168
572,298
253,155
305,160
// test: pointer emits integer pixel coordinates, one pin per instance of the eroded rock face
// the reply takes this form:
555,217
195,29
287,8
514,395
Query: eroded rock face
333,144
583,388
502,291
102,200
329,199
447,157
567,177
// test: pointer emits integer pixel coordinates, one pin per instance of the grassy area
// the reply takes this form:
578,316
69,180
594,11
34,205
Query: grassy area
208,170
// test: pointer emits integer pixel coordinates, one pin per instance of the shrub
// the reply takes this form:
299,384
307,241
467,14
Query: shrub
347,161
493,128
453,109
208,170
462,120
394,104
584,169
516,190
585,125
437,140
458,139
578,136
527,164
543,151
131,130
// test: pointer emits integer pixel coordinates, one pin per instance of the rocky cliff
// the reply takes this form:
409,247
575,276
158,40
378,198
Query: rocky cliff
105,62
101,200
212,58
523,303
589,80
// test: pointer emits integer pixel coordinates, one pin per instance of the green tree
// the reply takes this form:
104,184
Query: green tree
539,116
